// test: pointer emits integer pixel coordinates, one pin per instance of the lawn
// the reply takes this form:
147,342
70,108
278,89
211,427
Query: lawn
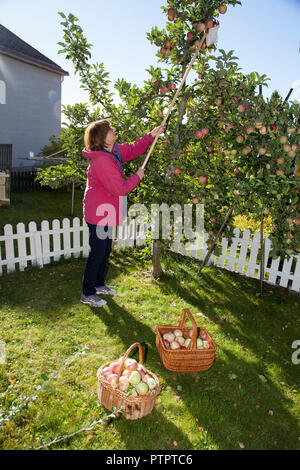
249,398
40,205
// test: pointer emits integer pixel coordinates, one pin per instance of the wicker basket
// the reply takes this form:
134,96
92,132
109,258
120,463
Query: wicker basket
186,360
135,407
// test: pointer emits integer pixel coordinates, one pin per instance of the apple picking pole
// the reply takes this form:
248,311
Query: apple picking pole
176,96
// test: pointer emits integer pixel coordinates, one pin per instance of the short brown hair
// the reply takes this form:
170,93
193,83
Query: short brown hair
95,133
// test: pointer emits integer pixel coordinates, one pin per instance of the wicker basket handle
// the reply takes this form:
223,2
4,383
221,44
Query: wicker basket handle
181,323
126,356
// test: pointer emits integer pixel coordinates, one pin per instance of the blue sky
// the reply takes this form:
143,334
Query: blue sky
263,34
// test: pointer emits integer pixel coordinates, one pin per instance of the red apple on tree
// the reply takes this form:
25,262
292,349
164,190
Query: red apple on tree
202,179
222,9
200,27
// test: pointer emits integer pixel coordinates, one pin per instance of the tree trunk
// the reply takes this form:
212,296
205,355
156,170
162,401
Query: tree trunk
157,270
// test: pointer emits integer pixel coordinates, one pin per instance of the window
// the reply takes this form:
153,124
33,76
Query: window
2,92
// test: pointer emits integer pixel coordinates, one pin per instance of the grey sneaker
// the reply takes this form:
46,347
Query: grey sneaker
93,300
105,290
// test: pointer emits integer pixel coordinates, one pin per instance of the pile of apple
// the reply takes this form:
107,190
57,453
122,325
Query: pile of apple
134,379
177,340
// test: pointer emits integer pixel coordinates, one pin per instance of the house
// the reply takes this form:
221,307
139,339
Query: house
30,100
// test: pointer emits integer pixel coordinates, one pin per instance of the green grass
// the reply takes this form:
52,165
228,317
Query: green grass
43,323
40,205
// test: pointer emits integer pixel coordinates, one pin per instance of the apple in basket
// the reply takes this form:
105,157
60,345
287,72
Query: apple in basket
142,388
123,384
146,378
187,342
178,333
151,383
115,366
205,344
180,340
126,373
107,371
135,378
199,343
131,364
142,370
112,379
175,345
166,344
169,337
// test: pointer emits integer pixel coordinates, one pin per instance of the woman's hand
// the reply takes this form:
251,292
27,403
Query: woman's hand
141,172
158,130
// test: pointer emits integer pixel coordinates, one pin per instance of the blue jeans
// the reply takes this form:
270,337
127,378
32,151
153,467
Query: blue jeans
96,264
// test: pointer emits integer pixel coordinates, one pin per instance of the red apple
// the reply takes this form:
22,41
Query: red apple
198,134
283,139
280,160
240,139
241,108
209,24
246,150
172,86
222,9
190,35
202,179
249,129
168,44
176,171
263,130
200,27
205,131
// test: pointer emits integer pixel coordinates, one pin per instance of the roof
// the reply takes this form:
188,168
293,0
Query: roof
13,46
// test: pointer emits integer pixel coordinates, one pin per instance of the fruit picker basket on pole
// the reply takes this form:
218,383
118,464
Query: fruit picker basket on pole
185,349
113,393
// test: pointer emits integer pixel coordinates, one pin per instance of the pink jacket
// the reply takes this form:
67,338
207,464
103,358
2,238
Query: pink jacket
103,201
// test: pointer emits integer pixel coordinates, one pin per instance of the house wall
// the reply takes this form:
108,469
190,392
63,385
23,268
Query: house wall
30,108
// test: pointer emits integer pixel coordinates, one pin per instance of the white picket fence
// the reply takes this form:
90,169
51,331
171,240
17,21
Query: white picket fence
21,248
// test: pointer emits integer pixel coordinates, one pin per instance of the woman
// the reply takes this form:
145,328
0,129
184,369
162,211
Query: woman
105,203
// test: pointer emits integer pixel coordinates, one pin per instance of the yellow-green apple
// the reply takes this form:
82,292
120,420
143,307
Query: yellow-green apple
206,344
175,345
199,343
180,340
142,388
135,378
262,150
187,342
258,124
151,383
